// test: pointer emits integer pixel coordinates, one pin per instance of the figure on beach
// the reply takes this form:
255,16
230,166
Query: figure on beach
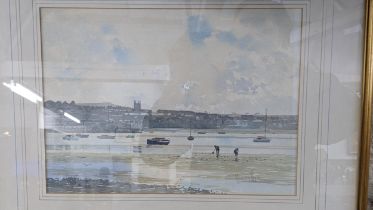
235,151
217,150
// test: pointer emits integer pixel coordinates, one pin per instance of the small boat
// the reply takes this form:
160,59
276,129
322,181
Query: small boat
263,139
158,141
190,137
201,132
70,138
130,136
106,137
221,132
82,135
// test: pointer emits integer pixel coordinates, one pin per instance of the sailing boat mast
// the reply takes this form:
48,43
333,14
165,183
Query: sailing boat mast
190,137
190,127
263,139
265,124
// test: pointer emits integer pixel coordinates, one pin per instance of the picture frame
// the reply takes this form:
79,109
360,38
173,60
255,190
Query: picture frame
31,156
366,124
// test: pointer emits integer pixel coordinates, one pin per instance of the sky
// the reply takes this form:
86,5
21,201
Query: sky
208,60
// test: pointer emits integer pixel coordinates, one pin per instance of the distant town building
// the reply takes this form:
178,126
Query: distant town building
108,118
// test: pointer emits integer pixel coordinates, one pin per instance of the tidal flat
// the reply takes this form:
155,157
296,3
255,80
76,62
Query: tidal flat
194,173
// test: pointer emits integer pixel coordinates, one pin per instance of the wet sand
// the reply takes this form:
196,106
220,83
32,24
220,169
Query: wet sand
200,173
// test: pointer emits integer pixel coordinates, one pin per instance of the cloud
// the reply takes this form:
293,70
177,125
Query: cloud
218,61
106,28
250,41
198,29
120,53
227,36
246,42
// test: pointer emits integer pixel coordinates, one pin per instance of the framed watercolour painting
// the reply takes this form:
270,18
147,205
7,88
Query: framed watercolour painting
192,114
185,104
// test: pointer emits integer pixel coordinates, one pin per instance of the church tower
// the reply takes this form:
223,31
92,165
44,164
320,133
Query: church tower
137,106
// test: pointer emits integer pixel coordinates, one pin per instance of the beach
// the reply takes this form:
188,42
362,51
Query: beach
127,165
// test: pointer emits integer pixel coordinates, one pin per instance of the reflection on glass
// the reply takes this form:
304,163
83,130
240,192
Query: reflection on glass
23,91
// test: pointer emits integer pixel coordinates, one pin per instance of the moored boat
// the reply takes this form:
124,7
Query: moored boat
80,135
104,136
190,137
262,139
70,137
157,141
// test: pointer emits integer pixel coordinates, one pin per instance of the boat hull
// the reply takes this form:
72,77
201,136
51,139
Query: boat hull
262,140
106,137
157,142
70,138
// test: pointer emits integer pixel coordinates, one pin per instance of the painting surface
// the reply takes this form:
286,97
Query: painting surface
188,101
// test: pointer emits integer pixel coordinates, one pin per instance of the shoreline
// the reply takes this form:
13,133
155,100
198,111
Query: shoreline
208,131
